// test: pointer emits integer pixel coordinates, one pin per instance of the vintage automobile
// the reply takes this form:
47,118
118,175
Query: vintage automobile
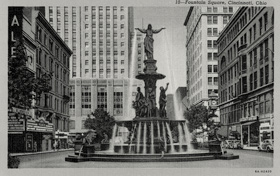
266,145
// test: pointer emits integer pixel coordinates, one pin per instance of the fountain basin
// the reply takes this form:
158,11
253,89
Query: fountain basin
197,155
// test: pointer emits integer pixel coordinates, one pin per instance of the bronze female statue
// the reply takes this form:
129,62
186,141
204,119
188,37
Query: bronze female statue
148,41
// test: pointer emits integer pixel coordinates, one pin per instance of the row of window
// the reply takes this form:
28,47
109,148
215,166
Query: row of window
108,42
101,71
263,105
108,52
101,62
212,68
212,19
195,98
263,50
263,78
229,75
61,125
212,56
197,86
211,79
258,28
54,49
50,101
215,9
196,75
230,114
48,63
211,43
230,93
212,32
255,80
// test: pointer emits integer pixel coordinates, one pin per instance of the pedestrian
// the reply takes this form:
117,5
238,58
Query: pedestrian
161,147
35,146
58,144
54,145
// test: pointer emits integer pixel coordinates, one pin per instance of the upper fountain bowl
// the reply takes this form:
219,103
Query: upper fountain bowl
155,76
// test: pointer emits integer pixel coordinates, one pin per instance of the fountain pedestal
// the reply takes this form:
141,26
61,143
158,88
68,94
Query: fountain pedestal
88,150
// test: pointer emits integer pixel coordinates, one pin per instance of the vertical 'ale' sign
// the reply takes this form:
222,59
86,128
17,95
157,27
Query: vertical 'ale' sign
15,29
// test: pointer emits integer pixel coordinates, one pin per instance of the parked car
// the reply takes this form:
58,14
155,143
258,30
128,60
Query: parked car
267,145
232,144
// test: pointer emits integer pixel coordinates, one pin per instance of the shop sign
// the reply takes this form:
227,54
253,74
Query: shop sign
15,28
15,124
243,119
21,111
39,125
264,127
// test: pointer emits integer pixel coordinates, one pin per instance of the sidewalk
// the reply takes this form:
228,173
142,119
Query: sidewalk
250,148
43,152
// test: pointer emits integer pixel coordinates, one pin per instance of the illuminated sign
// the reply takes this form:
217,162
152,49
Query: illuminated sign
15,29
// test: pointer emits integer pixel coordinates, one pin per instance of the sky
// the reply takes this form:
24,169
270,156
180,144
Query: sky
169,44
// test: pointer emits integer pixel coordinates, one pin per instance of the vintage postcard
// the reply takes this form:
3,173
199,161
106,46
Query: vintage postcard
140,87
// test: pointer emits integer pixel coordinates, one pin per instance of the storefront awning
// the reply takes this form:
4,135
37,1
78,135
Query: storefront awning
248,123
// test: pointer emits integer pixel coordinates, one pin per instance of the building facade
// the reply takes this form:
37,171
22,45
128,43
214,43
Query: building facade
106,57
100,37
46,53
246,68
203,25
112,95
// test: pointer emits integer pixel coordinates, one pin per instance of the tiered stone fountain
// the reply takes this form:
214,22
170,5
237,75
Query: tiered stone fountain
149,129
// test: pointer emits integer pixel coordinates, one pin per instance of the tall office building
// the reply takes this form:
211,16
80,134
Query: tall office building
203,25
101,38
246,68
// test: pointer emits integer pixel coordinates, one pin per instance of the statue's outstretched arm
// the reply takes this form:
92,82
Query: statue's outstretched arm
157,30
141,30
166,87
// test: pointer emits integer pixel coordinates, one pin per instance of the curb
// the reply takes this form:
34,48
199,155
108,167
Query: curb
37,153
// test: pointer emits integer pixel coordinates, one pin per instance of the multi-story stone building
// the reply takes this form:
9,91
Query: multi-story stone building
102,71
203,25
246,67
47,54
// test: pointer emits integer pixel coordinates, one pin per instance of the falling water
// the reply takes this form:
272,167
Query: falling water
138,137
131,77
170,138
145,138
152,138
164,136
80,151
180,137
112,143
187,136
131,138
158,130
122,140
178,111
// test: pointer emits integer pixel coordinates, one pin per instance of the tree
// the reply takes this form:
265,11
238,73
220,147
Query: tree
102,123
23,86
199,115
196,116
